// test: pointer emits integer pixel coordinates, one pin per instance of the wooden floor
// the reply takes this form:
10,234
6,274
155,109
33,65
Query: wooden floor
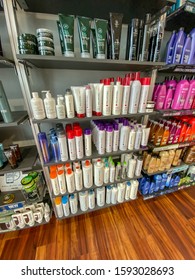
161,228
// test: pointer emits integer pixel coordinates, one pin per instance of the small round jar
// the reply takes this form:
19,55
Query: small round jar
27,51
45,43
43,32
46,51
28,37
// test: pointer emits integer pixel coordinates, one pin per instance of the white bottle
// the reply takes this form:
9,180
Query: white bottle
61,181
50,106
131,142
100,195
101,140
83,199
118,172
138,168
128,190
70,181
144,94
88,102
99,173
117,98
106,174
87,141
78,176
87,174
134,96
131,168
59,208
65,205
114,195
138,137
91,199
126,94
37,107
107,98
54,182
115,137
134,189
62,145
109,138
121,192
79,142
71,145
108,194
60,107
112,172
73,203
124,136
69,104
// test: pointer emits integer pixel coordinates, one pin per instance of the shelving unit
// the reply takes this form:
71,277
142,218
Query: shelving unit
171,146
183,16
178,68
172,170
19,118
170,112
6,63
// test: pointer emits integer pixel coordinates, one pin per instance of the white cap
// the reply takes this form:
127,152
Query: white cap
35,94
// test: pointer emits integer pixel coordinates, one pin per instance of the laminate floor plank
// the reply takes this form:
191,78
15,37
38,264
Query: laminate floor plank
155,229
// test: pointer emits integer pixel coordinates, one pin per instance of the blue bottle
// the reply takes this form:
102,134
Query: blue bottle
167,185
152,187
171,184
170,50
178,46
145,187
186,50
55,148
163,181
157,180
192,52
176,181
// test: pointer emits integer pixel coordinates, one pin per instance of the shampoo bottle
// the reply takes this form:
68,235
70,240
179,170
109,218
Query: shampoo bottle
191,59
107,98
37,106
134,96
178,46
170,48
161,96
190,94
180,94
117,97
50,106
99,173
186,50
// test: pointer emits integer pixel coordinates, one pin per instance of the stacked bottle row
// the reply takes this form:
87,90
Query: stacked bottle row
172,131
173,94
74,143
181,47
85,200
161,161
163,182
86,174
126,95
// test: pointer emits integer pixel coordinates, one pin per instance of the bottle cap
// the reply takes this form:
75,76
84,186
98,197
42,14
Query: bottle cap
59,126
128,75
136,76
64,199
35,94
101,127
68,127
125,122
126,81
119,80
145,81
78,131
42,136
109,128
58,200
53,174
60,166
102,81
115,126
52,168
75,125
87,163
60,172
70,134
112,80
69,171
87,131
106,82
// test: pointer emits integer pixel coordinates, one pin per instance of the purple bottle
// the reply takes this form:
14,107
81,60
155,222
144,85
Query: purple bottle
44,146
178,46
180,95
161,95
186,50
169,98
170,49
190,95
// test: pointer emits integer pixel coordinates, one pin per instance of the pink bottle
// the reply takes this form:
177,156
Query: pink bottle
169,98
172,133
161,95
154,96
190,95
180,94
171,83
177,134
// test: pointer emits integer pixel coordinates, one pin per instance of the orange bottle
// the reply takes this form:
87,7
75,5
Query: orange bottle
165,136
158,135
188,133
153,131
183,132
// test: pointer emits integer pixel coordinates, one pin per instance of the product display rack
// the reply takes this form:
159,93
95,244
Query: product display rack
19,118
59,62
178,68
183,16
174,169
95,187
170,112
171,146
